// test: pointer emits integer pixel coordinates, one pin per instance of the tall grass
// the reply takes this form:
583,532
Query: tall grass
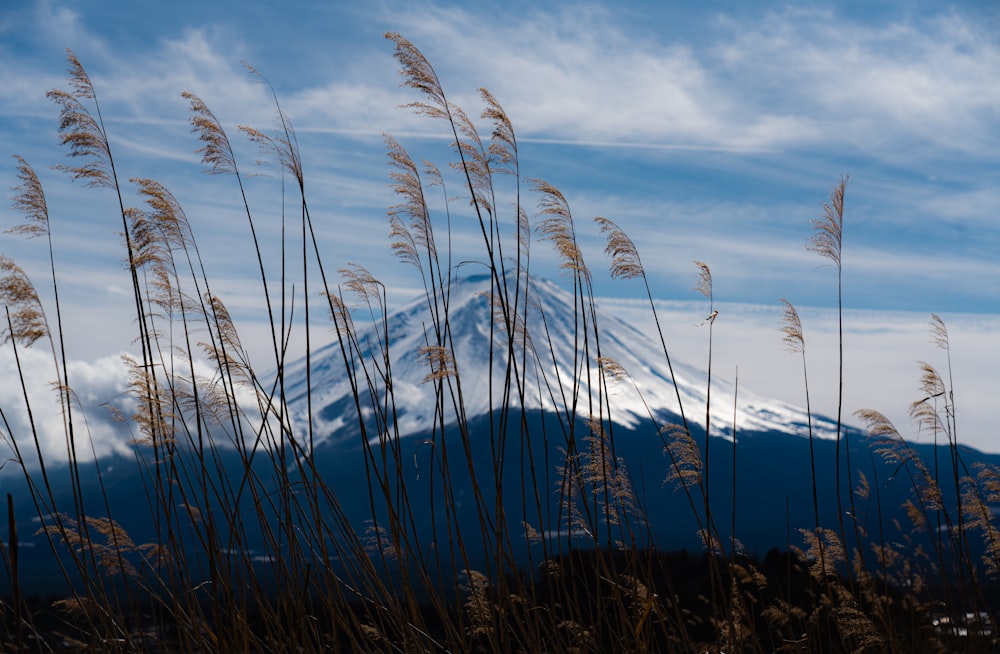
250,545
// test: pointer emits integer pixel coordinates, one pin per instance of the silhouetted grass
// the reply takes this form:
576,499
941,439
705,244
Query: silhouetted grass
249,546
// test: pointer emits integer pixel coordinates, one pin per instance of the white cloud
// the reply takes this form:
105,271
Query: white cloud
95,383
876,85
789,79
103,406
780,80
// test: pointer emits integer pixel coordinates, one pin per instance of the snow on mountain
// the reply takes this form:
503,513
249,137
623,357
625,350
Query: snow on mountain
558,349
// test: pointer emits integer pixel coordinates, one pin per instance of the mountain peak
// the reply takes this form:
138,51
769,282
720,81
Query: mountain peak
556,357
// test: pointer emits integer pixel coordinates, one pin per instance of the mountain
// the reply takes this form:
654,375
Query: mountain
552,324
517,455
578,454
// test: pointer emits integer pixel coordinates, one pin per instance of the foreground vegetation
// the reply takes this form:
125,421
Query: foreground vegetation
324,581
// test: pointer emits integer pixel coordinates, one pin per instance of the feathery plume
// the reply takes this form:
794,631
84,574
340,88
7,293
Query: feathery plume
166,213
361,282
931,384
279,148
558,227
863,489
473,160
80,131
854,625
625,263
155,235
503,144
791,327
825,549
523,232
216,153
989,480
704,283
894,450
686,464
441,362
606,476
285,147
228,337
478,606
877,423
433,174
147,246
105,540
402,242
418,74
976,493
339,314
828,230
26,317
227,352
611,369
531,534
29,199
925,410
939,333
78,77
154,415
407,238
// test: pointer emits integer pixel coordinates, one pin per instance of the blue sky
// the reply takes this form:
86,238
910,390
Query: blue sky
712,133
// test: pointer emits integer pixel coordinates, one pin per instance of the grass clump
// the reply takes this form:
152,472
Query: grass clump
251,545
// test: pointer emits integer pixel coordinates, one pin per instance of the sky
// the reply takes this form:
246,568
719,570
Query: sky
712,131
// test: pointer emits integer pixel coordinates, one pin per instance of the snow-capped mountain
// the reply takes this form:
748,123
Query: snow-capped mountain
504,473
766,477
560,361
